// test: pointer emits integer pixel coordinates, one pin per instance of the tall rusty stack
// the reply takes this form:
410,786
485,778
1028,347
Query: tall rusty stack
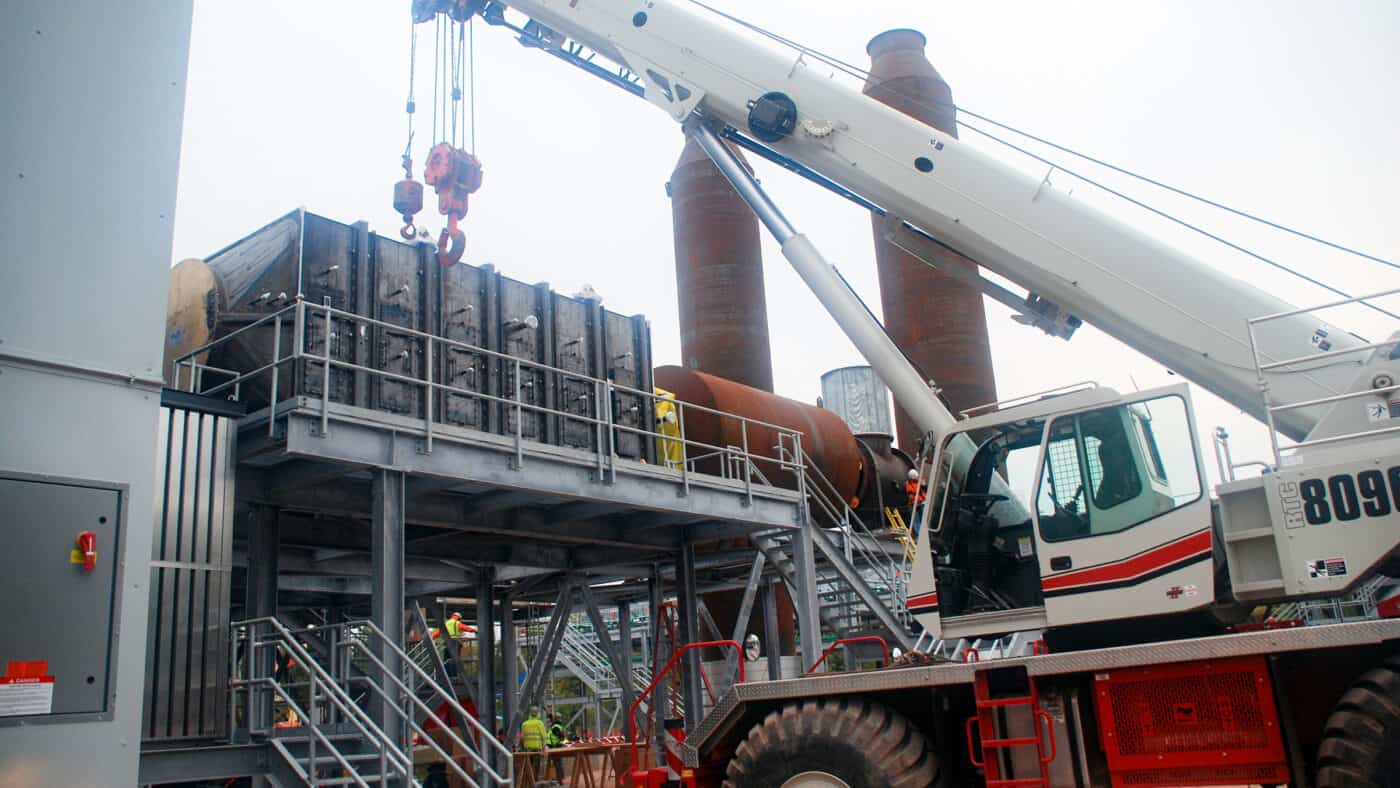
937,320
719,275
723,313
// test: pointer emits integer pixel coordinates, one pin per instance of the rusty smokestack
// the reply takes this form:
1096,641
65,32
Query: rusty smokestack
719,275
938,321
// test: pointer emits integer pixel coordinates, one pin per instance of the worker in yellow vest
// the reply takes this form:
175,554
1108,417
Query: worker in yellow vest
532,732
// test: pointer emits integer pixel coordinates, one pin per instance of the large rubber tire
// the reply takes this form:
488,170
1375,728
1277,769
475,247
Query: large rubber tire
859,742
1361,745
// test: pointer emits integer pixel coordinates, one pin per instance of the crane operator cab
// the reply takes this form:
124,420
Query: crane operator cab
1078,508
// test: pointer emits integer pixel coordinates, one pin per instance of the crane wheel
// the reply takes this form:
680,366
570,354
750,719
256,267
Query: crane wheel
833,743
1359,746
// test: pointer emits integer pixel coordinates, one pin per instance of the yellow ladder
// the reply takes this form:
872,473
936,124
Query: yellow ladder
901,530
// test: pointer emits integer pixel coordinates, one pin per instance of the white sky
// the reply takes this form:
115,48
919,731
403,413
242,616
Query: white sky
1287,109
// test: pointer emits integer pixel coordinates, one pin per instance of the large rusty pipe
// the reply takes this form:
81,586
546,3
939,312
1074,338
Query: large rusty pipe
826,440
937,319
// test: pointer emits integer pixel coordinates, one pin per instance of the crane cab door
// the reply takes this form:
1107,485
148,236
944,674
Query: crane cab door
1123,523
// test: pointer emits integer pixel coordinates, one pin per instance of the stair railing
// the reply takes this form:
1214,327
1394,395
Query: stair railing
260,634
483,734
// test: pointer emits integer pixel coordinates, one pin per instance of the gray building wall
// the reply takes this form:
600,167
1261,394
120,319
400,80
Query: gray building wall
94,95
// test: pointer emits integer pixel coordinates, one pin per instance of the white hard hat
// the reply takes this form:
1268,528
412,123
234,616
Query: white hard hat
913,475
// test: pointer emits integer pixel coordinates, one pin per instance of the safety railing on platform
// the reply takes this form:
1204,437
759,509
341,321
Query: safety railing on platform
1325,353
675,451
327,704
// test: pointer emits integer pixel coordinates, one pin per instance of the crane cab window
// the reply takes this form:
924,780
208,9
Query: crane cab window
1108,470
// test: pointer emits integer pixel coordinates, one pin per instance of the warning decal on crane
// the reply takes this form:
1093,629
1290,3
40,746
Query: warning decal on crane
1327,567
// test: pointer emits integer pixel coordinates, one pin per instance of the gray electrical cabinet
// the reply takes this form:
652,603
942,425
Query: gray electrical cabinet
57,614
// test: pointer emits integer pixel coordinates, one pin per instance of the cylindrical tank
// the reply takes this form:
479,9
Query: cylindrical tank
826,440
859,398
938,321
886,469
719,275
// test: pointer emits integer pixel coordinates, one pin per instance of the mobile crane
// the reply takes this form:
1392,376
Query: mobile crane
1082,511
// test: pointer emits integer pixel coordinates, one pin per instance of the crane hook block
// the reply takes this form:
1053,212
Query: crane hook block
454,174
408,200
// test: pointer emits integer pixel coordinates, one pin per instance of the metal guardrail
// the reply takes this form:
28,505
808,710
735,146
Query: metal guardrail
187,371
1271,408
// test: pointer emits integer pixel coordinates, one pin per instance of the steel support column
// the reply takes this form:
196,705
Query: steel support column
660,653
771,644
809,625
624,653
510,666
688,631
261,599
387,601
485,654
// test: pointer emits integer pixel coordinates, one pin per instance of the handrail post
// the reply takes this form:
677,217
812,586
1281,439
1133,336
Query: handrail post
428,396
685,463
1264,392
748,464
326,374
612,435
801,462
276,368
519,421
598,425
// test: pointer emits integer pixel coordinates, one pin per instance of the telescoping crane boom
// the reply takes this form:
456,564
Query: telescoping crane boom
1113,495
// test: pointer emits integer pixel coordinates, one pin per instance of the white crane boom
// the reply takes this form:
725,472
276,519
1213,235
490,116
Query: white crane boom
1181,312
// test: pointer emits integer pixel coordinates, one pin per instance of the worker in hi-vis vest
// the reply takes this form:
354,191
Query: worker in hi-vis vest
532,732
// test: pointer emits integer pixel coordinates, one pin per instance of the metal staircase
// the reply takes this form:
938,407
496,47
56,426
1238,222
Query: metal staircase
861,578
351,718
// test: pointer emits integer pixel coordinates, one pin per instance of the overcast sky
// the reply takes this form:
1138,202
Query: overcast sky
1287,109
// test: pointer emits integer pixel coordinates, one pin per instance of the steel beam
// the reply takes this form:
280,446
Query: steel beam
480,460
613,650
851,577
387,599
510,666
261,600
200,764
544,657
771,642
805,598
689,632
741,624
660,654
485,654
624,653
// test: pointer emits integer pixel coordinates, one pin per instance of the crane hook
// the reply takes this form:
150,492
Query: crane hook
451,243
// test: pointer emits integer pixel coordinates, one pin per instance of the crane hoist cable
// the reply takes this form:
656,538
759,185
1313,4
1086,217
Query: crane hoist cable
860,73
453,172
408,193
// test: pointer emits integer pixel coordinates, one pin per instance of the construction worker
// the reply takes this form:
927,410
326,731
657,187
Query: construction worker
916,496
532,733
451,646
555,736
